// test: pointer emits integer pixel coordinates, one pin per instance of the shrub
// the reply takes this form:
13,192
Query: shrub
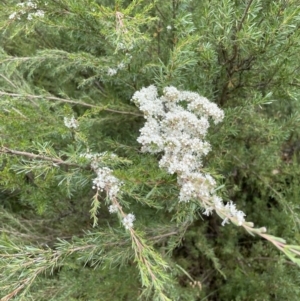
113,186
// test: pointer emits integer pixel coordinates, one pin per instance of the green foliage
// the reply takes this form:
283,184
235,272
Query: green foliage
86,59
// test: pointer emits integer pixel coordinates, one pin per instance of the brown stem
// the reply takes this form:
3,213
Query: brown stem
5,150
244,15
67,101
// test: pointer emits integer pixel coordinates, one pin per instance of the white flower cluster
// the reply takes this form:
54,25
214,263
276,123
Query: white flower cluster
226,211
106,181
24,8
176,124
113,209
71,123
121,66
97,158
128,221
114,71
124,46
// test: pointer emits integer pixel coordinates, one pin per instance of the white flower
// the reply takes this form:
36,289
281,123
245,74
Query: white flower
71,123
187,192
12,16
225,221
30,4
148,102
169,27
121,46
106,181
201,106
218,202
208,211
121,66
231,211
111,72
39,13
172,93
150,137
113,209
86,155
240,217
128,221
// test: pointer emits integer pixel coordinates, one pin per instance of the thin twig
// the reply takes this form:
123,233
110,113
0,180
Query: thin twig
30,96
10,82
244,15
5,150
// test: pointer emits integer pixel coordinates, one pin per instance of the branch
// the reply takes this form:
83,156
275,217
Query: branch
5,150
30,96
244,15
